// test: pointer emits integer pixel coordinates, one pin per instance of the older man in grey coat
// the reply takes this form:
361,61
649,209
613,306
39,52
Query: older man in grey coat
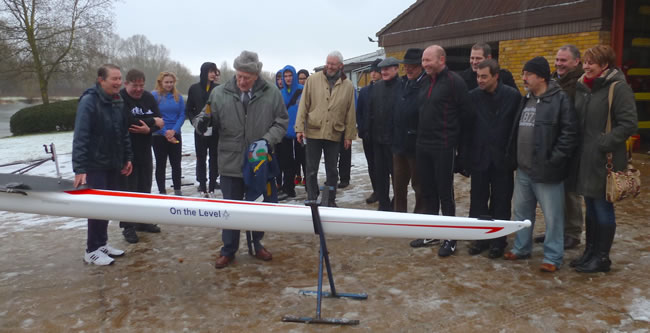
245,109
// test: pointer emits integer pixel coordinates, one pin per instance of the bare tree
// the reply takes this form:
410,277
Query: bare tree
44,34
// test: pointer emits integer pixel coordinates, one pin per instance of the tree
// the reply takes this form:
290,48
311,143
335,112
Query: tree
46,34
138,52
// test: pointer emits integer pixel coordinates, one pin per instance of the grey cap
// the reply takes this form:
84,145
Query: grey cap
390,61
248,62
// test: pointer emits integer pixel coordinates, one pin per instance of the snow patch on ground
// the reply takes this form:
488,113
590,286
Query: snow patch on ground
640,309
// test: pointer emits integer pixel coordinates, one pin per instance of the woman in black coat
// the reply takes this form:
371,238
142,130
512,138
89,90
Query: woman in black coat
592,108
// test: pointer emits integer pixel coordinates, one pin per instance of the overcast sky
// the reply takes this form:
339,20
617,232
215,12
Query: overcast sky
295,32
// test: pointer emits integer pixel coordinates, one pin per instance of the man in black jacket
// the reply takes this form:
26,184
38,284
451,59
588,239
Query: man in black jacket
405,129
207,142
542,140
363,118
494,106
440,136
141,111
568,69
479,53
382,105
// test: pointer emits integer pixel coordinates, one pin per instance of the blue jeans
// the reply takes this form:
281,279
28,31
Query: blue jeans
600,210
551,198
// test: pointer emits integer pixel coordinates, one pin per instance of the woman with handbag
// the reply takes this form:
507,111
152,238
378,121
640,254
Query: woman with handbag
167,141
607,116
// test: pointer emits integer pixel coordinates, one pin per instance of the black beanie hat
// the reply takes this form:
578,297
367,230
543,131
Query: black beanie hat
539,66
374,67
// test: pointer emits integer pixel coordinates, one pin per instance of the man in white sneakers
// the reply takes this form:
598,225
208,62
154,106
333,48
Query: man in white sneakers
101,151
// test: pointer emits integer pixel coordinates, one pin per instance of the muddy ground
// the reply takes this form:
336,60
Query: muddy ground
167,282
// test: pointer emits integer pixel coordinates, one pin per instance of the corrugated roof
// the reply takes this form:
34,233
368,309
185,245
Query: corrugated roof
452,18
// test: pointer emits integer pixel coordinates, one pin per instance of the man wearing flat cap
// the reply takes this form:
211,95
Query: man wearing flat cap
325,116
405,128
542,140
382,105
244,110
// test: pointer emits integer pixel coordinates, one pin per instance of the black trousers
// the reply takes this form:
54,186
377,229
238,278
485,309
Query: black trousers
345,162
164,149
98,229
491,195
435,168
316,147
287,161
205,146
383,173
140,181
233,188
299,154
370,159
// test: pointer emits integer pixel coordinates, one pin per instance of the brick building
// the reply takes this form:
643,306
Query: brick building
520,30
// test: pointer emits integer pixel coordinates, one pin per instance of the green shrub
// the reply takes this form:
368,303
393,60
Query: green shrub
54,117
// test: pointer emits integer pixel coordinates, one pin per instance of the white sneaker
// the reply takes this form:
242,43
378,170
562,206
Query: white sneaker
98,257
111,251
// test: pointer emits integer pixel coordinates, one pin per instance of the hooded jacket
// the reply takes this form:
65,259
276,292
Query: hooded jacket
101,137
291,95
199,92
324,115
265,118
555,135
592,108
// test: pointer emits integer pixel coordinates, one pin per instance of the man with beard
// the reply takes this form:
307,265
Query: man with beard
543,138
325,116
568,70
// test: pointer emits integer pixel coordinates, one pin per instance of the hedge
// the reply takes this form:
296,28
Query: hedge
54,117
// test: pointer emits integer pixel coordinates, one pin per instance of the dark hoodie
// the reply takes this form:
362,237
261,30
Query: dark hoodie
291,95
101,137
199,92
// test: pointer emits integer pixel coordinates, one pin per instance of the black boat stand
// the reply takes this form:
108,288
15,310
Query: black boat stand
324,256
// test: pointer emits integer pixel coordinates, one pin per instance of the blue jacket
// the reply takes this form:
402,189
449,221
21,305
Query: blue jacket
291,95
173,113
101,137
363,109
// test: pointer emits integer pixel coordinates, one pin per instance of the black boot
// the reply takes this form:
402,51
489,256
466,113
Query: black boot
599,261
590,243
331,200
